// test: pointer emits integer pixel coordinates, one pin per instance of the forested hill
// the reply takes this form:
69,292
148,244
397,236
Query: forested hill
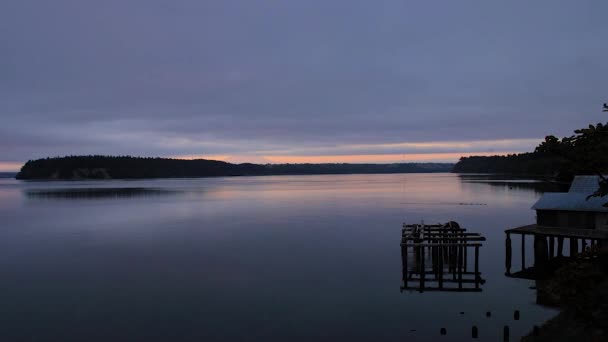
524,163
108,167
585,152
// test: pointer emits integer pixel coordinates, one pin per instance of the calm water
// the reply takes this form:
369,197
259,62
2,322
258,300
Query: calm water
260,258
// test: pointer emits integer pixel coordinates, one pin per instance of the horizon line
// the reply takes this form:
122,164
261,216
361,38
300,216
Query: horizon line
441,158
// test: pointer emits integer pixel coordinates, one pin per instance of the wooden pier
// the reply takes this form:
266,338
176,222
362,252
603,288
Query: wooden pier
436,258
549,247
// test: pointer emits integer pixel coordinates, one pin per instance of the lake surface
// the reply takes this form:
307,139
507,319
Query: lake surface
277,258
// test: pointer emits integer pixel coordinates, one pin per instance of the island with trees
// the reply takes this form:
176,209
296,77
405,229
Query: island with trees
126,167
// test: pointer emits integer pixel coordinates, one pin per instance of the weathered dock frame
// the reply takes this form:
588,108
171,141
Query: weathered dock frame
447,248
549,247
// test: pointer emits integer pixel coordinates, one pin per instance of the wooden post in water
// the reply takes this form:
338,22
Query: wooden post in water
573,247
583,245
540,253
454,262
440,267
560,246
422,275
477,267
507,257
460,265
435,258
465,252
523,252
416,261
404,261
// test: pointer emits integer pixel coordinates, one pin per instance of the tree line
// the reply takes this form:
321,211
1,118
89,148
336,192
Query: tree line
127,167
584,153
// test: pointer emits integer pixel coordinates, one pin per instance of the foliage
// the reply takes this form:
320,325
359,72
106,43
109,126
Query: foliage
524,164
125,167
586,152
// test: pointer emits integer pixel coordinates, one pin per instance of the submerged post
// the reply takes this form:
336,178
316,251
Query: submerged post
508,256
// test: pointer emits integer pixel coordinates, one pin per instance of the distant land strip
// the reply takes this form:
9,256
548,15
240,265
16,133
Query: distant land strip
126,167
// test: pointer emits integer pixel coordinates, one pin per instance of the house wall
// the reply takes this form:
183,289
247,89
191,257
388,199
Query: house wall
562,218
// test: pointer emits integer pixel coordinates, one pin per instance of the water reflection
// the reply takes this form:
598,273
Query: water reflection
286,258
504,182
96,193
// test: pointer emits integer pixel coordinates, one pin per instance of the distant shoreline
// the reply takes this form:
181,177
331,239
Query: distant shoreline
109,167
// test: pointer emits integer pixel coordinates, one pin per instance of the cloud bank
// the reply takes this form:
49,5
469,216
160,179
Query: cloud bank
286,80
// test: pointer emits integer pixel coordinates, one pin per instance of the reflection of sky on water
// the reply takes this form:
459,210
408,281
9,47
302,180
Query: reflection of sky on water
96,193
505,183
251,258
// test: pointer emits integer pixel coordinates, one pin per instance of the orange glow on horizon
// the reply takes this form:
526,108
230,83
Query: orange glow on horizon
380,158
362,158
193,156
10,166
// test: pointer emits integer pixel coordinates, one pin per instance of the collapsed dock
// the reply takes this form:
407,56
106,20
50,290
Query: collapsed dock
435,257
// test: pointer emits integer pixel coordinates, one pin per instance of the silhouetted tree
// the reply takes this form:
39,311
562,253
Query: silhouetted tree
585,152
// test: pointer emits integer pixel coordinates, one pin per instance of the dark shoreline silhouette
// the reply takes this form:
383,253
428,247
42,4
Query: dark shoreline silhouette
531,163
125,167
581,154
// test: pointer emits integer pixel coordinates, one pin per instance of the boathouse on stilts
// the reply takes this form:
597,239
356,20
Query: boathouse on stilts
569,217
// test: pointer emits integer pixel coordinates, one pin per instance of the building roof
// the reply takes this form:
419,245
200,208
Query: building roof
576,198
585,184
570,202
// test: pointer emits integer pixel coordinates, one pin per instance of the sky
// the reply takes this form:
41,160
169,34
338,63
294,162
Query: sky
297,81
